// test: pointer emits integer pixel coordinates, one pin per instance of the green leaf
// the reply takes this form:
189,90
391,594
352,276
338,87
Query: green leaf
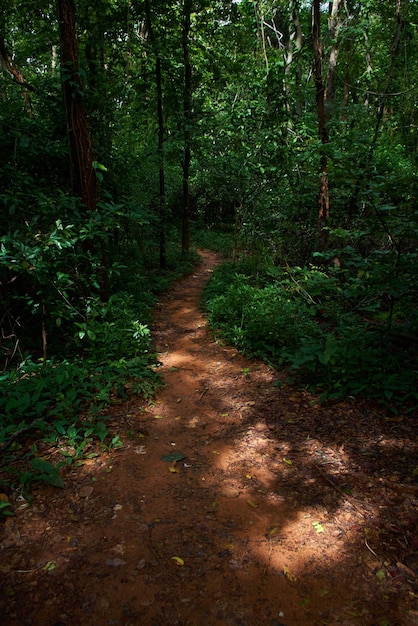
380,574
173,456
48,567
318,527
47,473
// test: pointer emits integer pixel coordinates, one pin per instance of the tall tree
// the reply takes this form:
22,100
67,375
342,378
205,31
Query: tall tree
187,118
323,197
160,116
82,172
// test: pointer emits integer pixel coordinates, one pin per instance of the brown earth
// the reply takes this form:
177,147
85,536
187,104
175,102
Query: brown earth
280,512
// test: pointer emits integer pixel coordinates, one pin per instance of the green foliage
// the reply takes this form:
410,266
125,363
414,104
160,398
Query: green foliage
221,241
41,471
5,509
332,326
260,320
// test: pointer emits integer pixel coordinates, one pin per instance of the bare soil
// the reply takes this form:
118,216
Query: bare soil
235,500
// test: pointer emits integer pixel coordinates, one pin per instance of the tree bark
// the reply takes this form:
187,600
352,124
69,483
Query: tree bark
323,197
294,44
334,26
82,174
160,115
83,177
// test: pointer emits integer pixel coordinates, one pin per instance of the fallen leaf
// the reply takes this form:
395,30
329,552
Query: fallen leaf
380,574
177,560
48,567
158,417
115,562
248,476
288,575
252,504
86,491
318,527
288,461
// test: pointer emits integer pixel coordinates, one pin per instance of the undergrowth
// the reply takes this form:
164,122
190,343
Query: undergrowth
330,328
107,355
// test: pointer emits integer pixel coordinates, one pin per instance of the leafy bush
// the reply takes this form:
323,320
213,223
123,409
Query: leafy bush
260,321
335,328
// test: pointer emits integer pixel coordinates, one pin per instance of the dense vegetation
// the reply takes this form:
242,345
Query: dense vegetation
285,128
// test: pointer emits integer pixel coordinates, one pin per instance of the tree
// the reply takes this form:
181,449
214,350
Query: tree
187,120
160,116
323,197
82,173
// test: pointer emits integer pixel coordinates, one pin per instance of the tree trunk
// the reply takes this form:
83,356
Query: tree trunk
294,44
187,115
82,174
160,115
323,197
334,26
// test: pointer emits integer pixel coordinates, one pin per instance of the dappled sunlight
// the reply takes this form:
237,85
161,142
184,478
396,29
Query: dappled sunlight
233,501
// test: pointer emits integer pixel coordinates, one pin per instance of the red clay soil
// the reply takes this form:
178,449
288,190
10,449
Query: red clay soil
235,500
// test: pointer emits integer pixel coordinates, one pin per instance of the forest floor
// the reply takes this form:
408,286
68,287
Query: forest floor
235,500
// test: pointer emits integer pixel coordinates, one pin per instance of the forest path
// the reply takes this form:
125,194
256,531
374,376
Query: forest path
222,508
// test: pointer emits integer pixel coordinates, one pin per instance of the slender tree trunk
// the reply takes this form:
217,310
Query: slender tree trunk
294,44
323,197
334,26
82,174
187,116
160,115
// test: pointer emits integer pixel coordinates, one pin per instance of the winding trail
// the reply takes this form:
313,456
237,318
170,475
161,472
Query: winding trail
210,514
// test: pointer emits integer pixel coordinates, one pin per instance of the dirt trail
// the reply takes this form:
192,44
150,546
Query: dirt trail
249,526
